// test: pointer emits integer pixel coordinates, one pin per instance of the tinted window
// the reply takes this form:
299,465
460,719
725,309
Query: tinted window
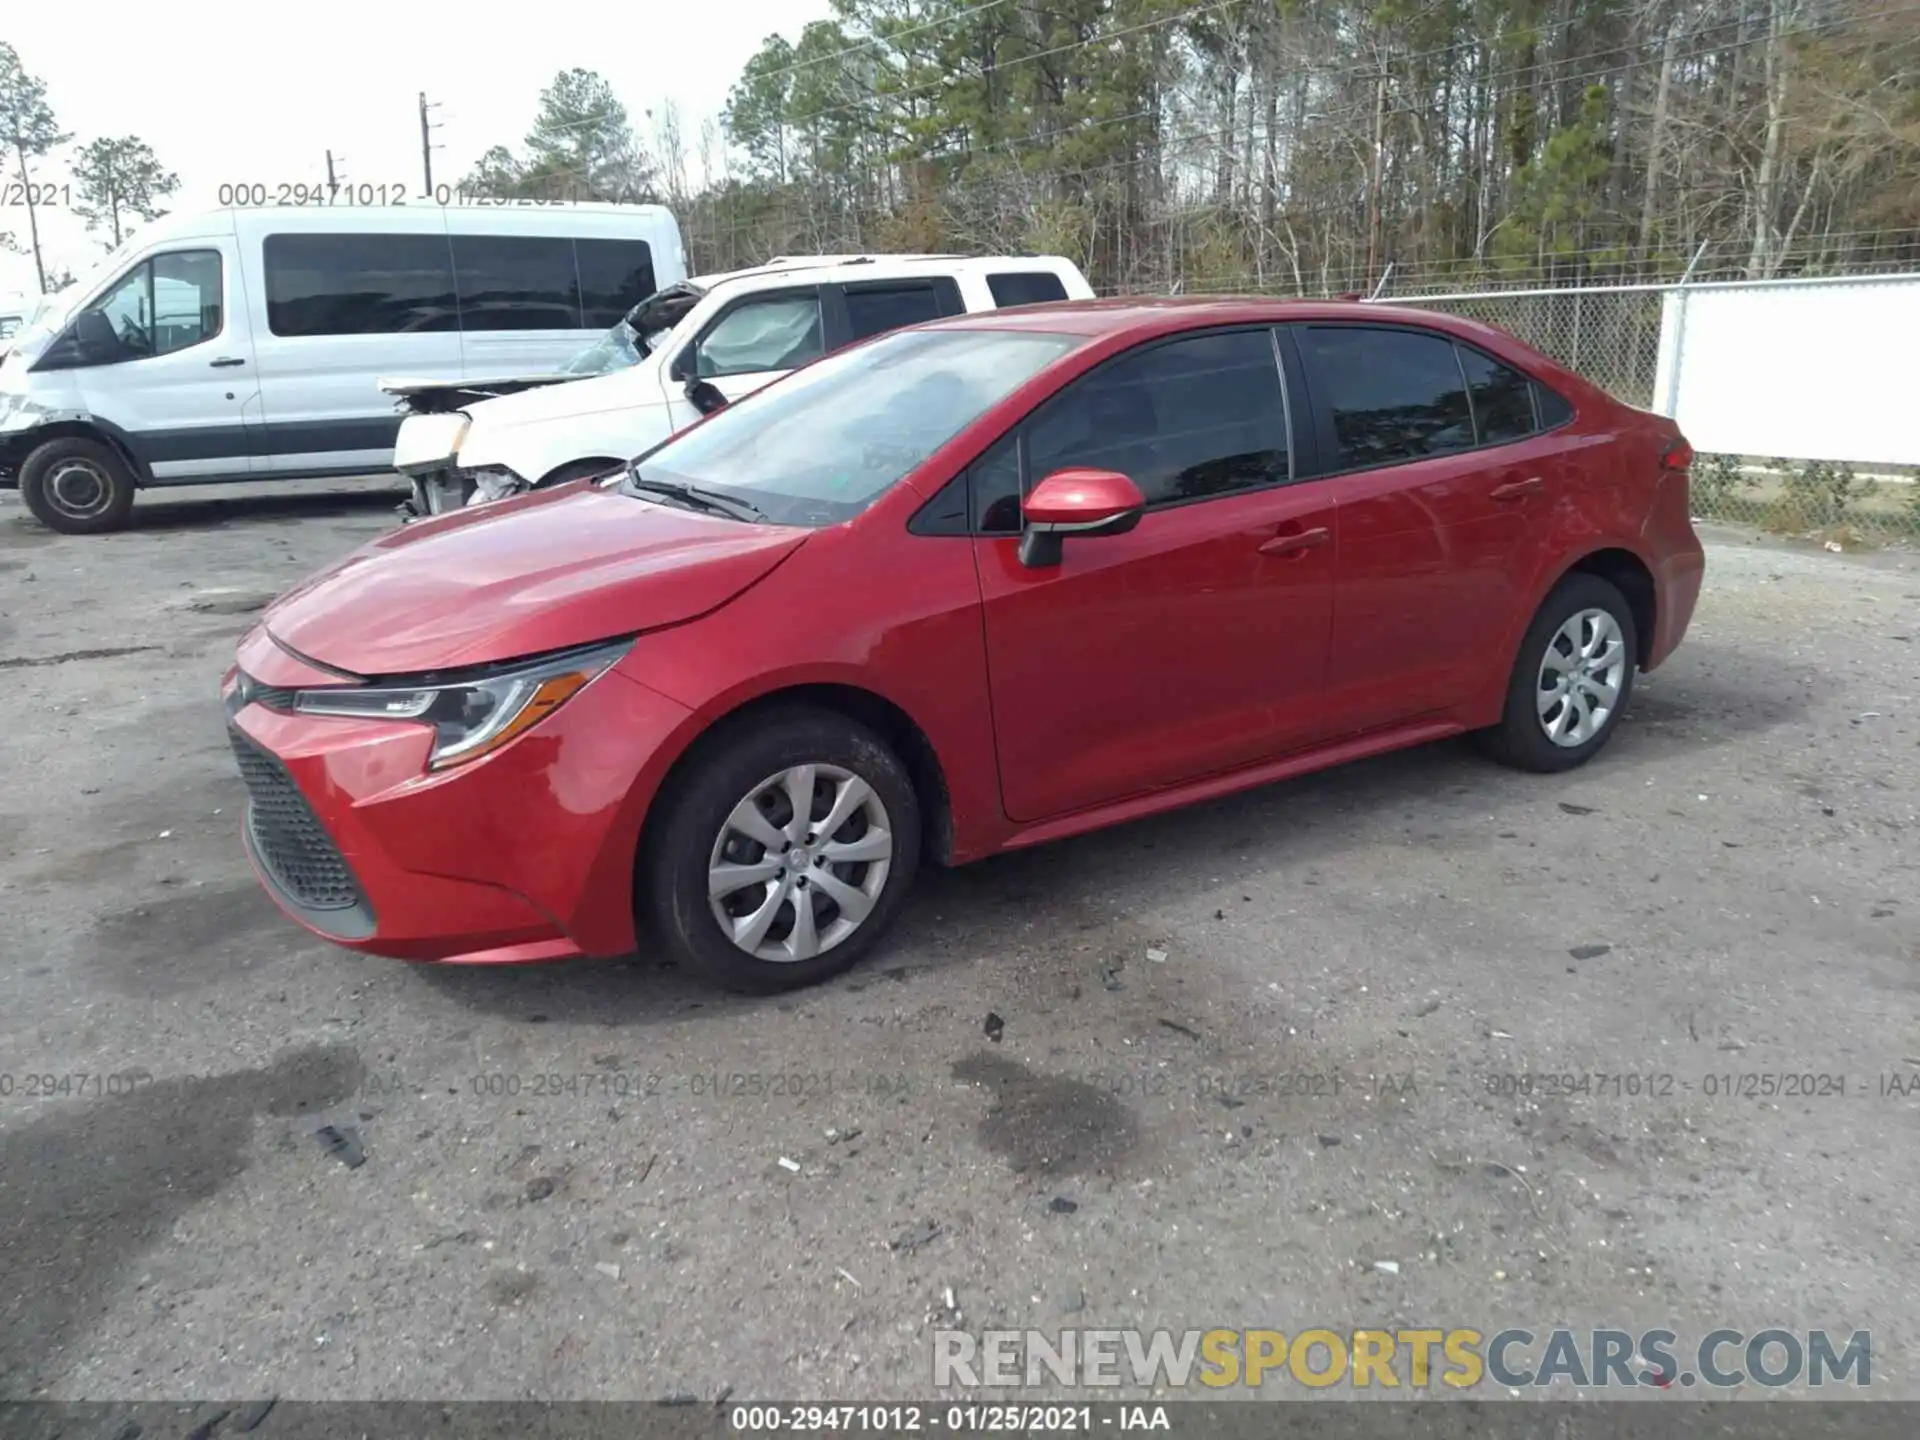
1032,287
1196,417
1554,409
873,310
359,284
822,446
781,332
615,276
1502,398
515,282
1394,395
995,479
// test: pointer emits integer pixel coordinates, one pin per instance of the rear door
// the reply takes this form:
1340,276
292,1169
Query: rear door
1434,453
873,307
754,340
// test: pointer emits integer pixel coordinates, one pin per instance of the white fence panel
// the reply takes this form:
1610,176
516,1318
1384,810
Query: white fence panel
1800,369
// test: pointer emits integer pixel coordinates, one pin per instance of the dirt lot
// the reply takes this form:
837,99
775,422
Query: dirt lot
1234,1135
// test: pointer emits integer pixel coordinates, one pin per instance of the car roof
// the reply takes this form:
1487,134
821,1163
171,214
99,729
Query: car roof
1140,316
877,266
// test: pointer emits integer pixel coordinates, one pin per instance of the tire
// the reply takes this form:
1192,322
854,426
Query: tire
575,470
77,486
1524,738
745,765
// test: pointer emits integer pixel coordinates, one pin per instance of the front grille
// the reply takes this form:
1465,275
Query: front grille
293,845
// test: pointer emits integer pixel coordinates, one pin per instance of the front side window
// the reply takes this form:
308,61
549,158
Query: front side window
1394,395
515,282
781,332
821,446
1196,417
359,284
168,303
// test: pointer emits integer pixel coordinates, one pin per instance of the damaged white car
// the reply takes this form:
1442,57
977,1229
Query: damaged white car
680,353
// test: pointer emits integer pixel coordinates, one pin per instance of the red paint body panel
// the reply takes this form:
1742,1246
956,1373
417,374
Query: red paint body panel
576,565
1217,645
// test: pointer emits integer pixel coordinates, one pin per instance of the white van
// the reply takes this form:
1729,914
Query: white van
245,345
684,351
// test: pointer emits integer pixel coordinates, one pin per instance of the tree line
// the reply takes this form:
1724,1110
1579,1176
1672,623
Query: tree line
1294,144
113,179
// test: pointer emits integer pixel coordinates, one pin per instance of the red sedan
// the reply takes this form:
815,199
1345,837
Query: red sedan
968,587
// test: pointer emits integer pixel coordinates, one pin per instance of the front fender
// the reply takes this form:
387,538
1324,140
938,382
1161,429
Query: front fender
534,449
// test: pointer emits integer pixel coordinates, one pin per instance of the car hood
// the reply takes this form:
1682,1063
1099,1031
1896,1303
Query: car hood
539,572
586,395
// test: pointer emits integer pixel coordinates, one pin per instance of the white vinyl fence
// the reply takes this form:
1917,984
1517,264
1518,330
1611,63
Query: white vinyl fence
1801,396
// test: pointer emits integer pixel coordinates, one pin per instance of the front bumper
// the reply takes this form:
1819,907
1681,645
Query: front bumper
524,854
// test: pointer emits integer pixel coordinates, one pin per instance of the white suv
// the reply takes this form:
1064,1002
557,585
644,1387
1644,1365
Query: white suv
680,353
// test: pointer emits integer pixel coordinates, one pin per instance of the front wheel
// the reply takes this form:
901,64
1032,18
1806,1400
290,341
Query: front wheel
1571,680
784,854
77,486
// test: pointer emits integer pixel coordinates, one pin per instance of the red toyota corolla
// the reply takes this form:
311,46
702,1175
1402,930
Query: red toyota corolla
965,588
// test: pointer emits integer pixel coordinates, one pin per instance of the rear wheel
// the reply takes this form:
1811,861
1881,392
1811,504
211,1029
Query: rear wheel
77,486
1571,680
784,855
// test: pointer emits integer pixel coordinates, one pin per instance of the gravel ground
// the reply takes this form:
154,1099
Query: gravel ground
1231,1135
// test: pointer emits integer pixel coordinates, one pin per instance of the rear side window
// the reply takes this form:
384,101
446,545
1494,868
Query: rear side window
1195,417
359,284
615,276
1025,287
1553,406
874,309
1393,395
1502,398
515,282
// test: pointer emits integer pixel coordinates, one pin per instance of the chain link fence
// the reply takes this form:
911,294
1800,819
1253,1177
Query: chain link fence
1612,337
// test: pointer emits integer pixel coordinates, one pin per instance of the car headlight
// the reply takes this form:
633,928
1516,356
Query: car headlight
429,442
476,714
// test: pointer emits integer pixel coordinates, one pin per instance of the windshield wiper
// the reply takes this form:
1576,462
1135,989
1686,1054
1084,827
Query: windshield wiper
695,498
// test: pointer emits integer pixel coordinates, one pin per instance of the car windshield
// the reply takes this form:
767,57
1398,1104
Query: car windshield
821,446
614,350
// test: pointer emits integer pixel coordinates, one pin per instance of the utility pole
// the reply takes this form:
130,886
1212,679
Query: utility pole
1373,201
426,143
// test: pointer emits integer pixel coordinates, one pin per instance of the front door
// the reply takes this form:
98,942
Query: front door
1424,443
753,341
187,393
1192,645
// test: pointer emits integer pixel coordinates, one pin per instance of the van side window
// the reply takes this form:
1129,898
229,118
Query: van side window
1025,287
168,303
359,284
615,276
515,282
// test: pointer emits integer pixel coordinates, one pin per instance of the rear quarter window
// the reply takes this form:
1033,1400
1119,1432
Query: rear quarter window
1025,287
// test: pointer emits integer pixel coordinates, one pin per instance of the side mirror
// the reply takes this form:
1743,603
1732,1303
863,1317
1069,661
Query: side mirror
1076,502
89,339
706,396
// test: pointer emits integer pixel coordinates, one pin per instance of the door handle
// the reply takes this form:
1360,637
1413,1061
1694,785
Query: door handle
1519,489
226,360
1297,541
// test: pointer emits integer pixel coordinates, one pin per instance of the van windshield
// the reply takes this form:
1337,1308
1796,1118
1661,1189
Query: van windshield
822,445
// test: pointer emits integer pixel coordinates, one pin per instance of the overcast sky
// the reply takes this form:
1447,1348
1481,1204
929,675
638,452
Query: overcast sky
244,93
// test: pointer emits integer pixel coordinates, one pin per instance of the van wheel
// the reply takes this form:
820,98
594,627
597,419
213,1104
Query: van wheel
76,486
576,470
1571,680
785,852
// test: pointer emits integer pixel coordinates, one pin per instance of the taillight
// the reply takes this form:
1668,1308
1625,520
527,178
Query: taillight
1679,456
